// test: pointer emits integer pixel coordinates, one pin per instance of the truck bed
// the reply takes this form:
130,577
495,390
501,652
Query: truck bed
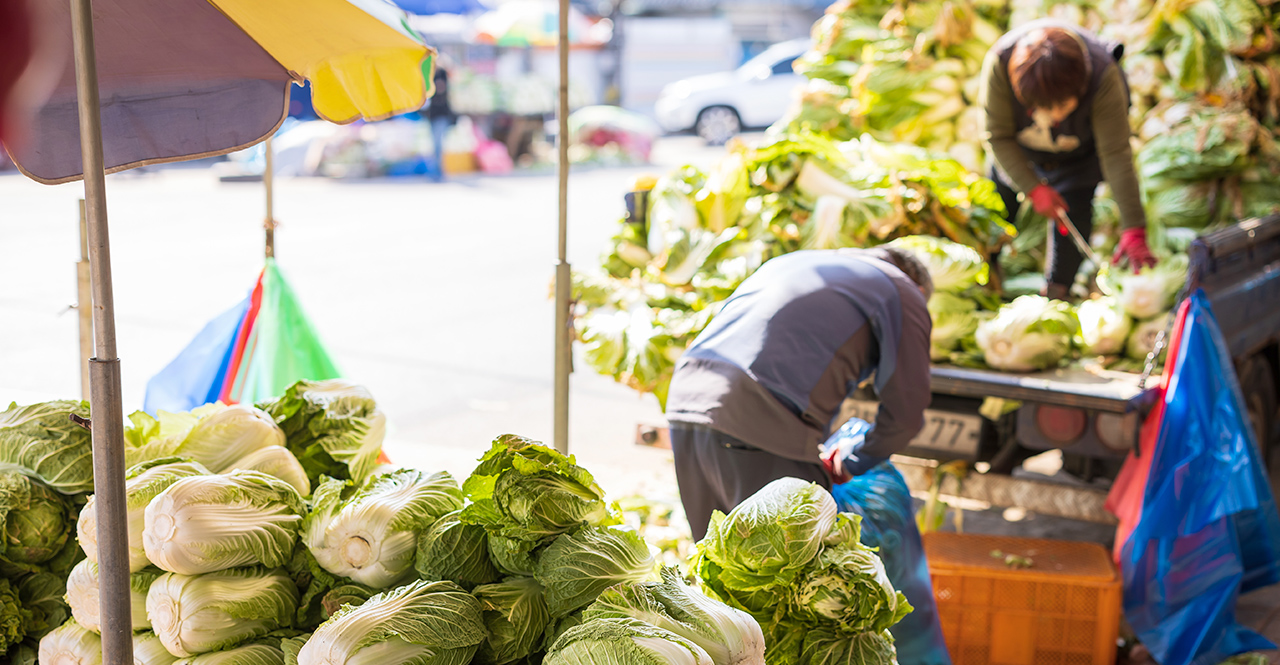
1088,387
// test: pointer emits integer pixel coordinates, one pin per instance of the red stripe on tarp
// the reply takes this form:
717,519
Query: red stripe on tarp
382,457
237,354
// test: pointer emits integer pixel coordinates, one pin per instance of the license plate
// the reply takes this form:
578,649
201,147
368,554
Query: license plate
954,434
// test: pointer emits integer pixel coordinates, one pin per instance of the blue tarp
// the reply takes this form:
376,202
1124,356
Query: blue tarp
195,377
1209,529
428,7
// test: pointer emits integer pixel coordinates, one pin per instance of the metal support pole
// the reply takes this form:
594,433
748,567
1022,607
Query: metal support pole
563,348
269,181
104,369
84,305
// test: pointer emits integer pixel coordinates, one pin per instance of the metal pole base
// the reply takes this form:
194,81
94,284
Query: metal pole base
113,514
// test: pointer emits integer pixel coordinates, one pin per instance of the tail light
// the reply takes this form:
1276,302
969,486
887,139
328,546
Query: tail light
1115,430
1059,424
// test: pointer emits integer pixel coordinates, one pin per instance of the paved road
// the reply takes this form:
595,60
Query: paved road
435,296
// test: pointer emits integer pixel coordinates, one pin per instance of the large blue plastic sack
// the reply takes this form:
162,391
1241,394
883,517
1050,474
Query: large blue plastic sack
1209,527
195,377
883,500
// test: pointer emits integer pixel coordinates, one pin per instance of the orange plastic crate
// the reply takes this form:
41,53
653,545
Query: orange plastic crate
1063,610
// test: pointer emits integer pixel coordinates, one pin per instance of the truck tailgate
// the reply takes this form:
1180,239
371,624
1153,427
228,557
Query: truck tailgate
1081,387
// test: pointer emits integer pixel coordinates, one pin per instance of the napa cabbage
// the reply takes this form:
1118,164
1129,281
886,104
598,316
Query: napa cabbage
41,441
202,524
1030,333
194,614
71,644
455,551
275,461
516,616
576,567
333,427
83,595
952,266
372,536
1149,291
143,483
1104,326
426,623
954,319
729,636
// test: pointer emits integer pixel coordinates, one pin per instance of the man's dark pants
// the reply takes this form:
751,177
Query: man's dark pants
715,471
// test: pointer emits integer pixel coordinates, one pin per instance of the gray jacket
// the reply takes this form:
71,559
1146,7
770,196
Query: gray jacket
774,366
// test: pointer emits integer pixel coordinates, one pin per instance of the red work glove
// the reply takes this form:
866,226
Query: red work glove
1048,203
1133,245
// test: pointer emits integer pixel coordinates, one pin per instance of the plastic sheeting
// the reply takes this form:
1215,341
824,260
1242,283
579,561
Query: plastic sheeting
1208,529
883,500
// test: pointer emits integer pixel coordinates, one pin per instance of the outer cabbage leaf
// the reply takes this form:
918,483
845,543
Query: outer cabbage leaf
516,616
14,618
1104,326
524,490
195,614
43,595
514,556
577,567
341,596
612,641
771,537
454,551
218,440
143,483
1142,340
425,623
870,648
372,538
41,441
249,654
202,524
333,427
729,636
1030,333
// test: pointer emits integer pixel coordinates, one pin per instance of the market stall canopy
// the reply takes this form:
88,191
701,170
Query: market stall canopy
534,23
183,79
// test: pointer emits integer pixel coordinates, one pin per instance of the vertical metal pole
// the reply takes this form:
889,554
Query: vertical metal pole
563,348
104,368
269,181
84,305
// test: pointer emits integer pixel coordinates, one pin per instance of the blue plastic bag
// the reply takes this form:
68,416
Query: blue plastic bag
1209,527
883,500
195,377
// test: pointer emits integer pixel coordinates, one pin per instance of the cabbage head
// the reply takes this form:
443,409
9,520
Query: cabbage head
37,521
425,623
71,644
1031,333
526,491
275,461
83,595
372,537
576,567
729,636
513,556
195,614
952,266
143,483
43,595
458,552
1104,326
770,538
149,650
610,641
42,440
218,440
1143,338
516,616
849,589
870,648
1150,291
333,427
954,319
203,524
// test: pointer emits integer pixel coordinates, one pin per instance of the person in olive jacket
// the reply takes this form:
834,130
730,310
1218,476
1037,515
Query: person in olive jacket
1056,109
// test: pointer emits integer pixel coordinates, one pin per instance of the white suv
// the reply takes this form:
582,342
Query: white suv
718,106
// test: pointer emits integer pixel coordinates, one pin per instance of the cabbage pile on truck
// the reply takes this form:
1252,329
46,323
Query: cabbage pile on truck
882,145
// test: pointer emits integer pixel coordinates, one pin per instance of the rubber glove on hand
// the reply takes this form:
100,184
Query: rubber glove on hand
1047,201
842,455
1133,245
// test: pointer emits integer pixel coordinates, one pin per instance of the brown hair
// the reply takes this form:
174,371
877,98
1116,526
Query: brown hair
1048,67
910,266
